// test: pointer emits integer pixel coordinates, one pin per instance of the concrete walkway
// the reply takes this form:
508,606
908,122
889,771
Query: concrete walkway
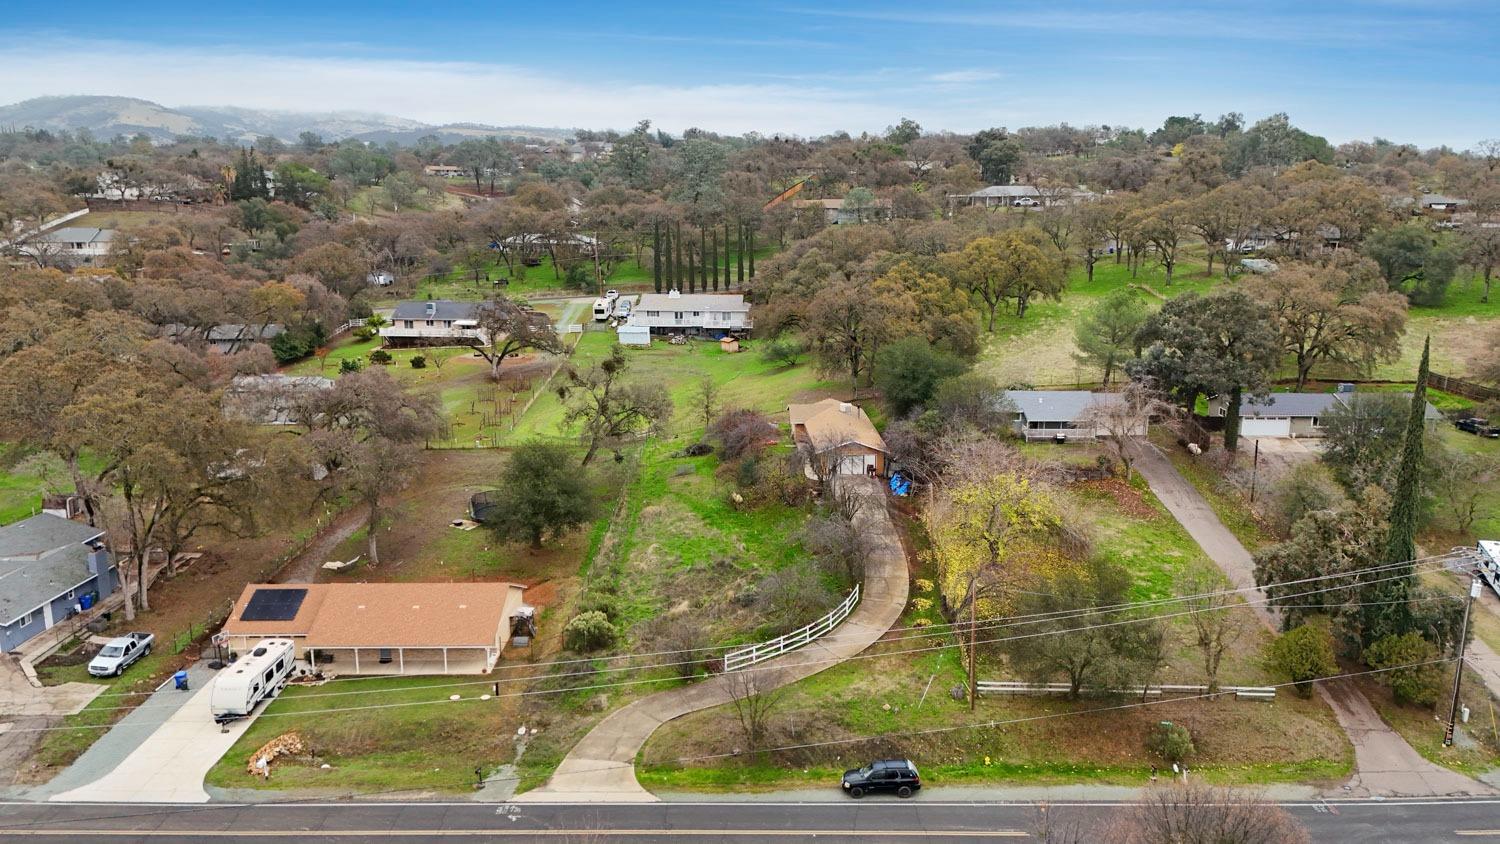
169,764
1384,763
601,767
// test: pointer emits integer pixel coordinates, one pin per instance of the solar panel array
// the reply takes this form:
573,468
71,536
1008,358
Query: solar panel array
273,605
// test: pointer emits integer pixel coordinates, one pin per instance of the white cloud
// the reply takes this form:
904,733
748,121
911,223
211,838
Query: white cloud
958,77
429,91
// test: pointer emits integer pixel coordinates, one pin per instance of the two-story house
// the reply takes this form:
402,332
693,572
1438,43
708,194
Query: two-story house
50,568
692,313
438,322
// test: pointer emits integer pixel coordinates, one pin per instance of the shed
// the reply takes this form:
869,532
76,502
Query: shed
634,335
729,345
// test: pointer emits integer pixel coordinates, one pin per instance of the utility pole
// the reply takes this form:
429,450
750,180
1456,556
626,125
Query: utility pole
973,636
1254,470
1458,668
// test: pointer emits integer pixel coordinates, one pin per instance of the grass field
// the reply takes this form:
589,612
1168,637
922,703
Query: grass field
869,706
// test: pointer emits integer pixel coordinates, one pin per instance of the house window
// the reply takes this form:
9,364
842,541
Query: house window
27,619
72,593
653,313
696,313
447,323
677,315
429,323
408,323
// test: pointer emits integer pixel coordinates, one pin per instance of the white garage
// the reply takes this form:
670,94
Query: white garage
1266,426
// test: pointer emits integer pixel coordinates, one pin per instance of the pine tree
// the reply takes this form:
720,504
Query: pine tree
1386,611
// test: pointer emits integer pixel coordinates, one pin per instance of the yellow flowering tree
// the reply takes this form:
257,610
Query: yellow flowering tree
990,534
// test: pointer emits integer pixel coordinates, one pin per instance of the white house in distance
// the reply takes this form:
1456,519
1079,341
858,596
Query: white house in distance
1291,415
79,244
692,313
1059,415
437,322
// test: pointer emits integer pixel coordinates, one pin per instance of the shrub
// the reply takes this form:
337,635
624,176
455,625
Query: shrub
579,278
1308,487
908,371
348,365
921,604
1419,684
589,631
363,333
741,432
924,585
601,602
418,362
1172,742
380,356
783,351
1304,654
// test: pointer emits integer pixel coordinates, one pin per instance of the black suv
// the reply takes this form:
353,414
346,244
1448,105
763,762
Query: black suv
894,775
1475,425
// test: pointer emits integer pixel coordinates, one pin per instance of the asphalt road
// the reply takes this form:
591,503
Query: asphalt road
872,820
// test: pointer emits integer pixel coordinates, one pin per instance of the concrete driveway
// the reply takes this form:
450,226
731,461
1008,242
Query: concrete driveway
169,765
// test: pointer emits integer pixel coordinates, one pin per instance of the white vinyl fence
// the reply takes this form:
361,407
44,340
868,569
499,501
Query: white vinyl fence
1016,687
747,656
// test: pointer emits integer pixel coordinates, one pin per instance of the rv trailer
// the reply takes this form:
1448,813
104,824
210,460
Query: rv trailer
256,676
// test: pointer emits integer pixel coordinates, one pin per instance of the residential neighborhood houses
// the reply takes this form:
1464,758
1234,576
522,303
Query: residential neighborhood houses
73,245
528,469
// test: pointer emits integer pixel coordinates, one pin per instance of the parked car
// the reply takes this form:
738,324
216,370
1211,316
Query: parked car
622,308
119,653
1025,202
898,776
1476,425
611,294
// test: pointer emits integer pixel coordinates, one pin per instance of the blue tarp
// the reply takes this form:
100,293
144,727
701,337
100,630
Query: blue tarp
900,485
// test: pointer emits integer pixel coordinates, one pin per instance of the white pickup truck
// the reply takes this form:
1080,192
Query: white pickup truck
117,655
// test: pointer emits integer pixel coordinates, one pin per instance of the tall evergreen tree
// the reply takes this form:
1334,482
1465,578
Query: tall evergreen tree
692,273
1386,611
716,259
677,243
702,258
656,256
739,254
750,231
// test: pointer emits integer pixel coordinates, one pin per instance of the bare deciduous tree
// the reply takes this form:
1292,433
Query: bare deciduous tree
1215,626
1203,815
1120,418
755,697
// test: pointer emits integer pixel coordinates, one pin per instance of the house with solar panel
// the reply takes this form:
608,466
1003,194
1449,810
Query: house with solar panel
383,628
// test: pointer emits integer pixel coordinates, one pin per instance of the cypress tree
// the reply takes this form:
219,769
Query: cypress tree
716,260
739,254
656,255
677,240
702,258
751,231
1386,611
692,275
666,242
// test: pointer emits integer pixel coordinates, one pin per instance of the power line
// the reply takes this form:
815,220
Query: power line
637,682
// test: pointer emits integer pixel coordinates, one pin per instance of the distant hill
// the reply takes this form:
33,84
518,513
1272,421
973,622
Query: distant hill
107,117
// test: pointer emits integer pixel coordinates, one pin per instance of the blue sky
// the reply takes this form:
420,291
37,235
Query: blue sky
1424,71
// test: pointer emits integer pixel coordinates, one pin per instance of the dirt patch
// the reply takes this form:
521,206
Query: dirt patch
1125,496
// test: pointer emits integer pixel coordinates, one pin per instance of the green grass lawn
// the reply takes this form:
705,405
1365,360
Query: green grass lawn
21,492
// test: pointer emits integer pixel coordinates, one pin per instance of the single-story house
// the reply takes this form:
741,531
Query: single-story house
444,171
380,628
692,313
1296,414
1007,196
271,399
1442,203
840,433
50,569
435,322
834,212
1060,415
232,337
82,244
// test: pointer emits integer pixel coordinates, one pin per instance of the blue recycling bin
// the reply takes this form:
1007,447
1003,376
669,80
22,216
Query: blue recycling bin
86,600
180,680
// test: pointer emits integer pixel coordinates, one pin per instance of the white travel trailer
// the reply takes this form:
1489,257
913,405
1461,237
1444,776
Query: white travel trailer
1489,563
602,309
256,676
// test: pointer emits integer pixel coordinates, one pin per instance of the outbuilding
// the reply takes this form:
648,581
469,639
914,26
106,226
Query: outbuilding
634,335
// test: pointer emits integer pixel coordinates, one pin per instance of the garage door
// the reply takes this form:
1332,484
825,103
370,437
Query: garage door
1273,426
856,465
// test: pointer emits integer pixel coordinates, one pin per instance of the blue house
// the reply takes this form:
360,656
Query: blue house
50,568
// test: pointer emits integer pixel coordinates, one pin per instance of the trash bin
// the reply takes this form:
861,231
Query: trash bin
180,679
86,600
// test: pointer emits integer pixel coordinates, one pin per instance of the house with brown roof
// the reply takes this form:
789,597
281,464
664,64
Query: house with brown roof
840,435
381,628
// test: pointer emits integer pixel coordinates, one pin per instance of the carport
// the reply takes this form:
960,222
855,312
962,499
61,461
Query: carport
403,660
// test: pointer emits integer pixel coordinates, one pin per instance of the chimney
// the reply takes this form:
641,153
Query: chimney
845,407
674,294
97,561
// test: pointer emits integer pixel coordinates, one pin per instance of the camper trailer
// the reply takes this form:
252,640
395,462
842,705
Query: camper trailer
602,309
1489,563
255,677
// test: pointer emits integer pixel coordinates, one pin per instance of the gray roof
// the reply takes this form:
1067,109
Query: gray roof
1288,404
78,234
1007,190
1431,414
1442,199
1051,405
235,331
443,309
41,558
692,302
